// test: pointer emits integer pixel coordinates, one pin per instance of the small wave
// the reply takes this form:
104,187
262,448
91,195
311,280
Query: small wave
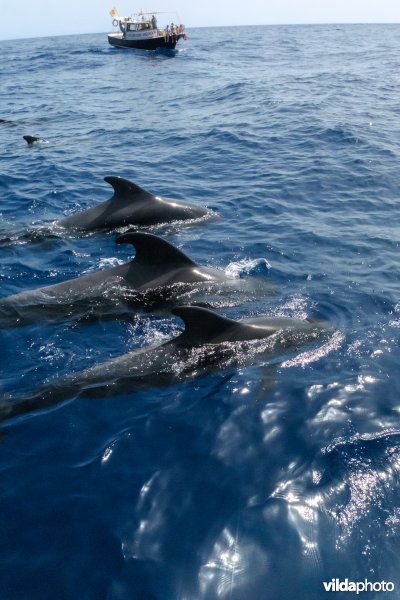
105,263
152,331
295,306
247,266
222,135
383,439
230,91
339,135
306,358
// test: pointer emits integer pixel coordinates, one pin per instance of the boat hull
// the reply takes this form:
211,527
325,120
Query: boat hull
119,41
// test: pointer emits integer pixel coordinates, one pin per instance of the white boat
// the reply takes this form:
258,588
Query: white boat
141,31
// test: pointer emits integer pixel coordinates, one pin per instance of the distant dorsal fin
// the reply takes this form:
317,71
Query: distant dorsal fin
151,249
125,189
203,325
31,139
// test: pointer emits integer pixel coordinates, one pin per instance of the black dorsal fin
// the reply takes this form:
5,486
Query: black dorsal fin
30,139
203,325
125,189
151,249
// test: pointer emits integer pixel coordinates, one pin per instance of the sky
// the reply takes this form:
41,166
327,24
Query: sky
37,18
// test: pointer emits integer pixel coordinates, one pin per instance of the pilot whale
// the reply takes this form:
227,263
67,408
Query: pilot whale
131,205
31,139
157,266
209,342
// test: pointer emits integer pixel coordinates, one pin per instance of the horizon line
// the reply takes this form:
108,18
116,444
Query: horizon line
321,23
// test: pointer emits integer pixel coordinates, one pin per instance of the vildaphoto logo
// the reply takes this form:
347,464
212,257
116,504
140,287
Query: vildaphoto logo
344,585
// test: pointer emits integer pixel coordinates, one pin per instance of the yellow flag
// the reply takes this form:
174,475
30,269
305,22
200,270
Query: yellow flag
113,12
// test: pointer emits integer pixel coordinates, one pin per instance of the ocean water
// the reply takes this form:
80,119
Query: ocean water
261,480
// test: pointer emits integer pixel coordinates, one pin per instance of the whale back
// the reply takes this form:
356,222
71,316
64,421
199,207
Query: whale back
204,326
131,205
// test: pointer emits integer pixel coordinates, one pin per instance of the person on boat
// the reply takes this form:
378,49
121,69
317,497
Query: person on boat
173,32
167,32
154,21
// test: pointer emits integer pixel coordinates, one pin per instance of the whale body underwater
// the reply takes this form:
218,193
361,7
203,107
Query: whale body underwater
208,343
131,205
157,267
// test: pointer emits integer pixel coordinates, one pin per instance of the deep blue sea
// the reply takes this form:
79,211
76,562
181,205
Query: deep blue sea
259,481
